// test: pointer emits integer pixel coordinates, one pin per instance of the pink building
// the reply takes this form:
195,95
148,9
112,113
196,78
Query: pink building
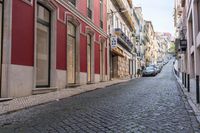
52,44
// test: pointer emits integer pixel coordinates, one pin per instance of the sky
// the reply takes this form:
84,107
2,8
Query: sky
160,12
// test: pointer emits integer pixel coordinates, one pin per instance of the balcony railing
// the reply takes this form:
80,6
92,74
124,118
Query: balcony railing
73,2
123,36
89,13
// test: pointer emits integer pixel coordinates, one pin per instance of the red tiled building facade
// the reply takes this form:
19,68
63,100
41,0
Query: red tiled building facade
52,44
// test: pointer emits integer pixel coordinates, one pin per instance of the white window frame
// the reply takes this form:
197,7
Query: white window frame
53,42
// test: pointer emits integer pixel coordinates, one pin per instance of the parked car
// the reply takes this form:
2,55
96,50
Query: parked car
149,71
155,67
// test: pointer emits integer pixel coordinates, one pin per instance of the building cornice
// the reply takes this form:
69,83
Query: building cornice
75,12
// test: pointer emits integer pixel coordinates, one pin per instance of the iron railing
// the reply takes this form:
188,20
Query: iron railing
73,2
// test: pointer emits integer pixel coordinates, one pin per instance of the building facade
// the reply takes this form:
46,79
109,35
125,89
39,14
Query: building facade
187,24
120,29
52,44
150,35
162,47
140,37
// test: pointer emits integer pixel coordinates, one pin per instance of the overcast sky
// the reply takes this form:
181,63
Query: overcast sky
160,12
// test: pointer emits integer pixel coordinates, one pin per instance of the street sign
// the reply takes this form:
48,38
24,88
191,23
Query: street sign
113,42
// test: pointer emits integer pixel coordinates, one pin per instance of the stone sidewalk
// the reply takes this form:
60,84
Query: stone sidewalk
191,96
29,101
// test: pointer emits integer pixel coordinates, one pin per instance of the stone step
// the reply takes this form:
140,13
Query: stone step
5,99
43,90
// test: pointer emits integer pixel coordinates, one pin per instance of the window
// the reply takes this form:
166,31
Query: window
190,23
89,8
121,25
101,14
43,47
112,20
117,22
124,29
130,66
73,2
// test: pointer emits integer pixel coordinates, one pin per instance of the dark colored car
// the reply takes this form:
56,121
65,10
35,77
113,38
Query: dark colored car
149,71
155,67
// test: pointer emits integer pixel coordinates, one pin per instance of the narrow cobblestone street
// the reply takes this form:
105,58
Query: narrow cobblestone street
145,105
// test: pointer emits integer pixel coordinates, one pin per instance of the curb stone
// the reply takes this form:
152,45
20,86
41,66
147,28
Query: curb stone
34,100
193,111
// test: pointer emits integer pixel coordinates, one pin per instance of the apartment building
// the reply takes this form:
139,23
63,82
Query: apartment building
162,46
187,24
140,37
150,35
121,29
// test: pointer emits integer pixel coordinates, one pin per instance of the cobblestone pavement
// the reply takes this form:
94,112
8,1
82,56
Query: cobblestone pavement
145,105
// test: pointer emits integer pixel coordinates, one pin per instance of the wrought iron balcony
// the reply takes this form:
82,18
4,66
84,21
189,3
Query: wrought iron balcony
73,2
123,36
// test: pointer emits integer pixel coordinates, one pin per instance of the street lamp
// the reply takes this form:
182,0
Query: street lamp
183,40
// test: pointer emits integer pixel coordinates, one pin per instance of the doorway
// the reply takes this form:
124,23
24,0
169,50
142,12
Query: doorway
101,61
43,46
71,53
89,61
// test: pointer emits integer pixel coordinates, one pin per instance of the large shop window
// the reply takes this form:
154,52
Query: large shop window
71,53
43,47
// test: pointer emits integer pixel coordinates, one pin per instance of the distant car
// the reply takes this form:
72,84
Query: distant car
159,67
149,71
166,61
